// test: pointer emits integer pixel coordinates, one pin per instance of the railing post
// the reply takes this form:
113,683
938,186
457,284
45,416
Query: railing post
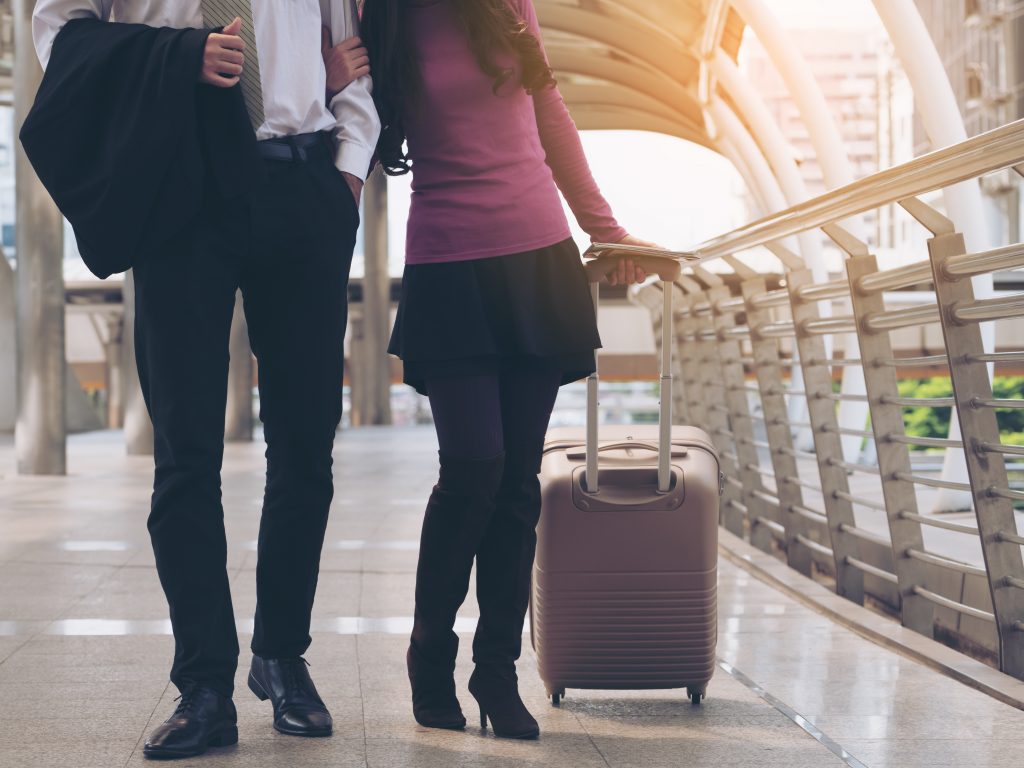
768,368
690,351
715,355
887,419
986,469
835,487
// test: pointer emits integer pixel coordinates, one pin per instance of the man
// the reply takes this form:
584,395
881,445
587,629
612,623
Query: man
288,246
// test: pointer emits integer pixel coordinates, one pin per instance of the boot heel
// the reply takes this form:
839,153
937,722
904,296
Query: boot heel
483,718
257,689
226,738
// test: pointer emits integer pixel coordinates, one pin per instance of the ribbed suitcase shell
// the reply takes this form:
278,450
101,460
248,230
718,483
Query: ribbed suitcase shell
624,585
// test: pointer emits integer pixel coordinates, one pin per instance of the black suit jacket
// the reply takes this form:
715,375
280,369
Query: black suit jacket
129,144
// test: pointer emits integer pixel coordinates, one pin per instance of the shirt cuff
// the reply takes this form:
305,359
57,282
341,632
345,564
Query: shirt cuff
354,158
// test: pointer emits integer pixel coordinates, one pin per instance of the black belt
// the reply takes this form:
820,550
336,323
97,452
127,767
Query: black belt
291,149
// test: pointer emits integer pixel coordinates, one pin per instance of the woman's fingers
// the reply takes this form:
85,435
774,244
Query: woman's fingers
361,71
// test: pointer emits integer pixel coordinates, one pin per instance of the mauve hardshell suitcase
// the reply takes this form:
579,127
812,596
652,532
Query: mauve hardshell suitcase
624,583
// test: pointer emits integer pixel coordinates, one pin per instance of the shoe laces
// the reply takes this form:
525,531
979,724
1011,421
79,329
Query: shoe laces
291,669
186,701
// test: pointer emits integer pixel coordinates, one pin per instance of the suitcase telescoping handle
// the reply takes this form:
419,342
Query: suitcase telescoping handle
668,270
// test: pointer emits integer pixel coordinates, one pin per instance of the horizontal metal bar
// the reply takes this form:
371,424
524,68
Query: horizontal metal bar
933,483
1013,538
996,260
860,533
736,332
985,153
771,525
998,357
1006,493
923,361
810,514
834,289
945,602
840,397
900,277
849,432
827,325
798,454
765,496
935,522
835,361
737,505
777,330
866,469
802,483
1005,450
755,443
920,402
1007,405
1013,581
778,298
860,565
901,318
814,546
744,388
760,470
861,501
735,482
983,310
734,304
928,442
945,562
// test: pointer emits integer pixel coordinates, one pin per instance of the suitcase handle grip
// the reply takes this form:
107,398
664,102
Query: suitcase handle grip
625,445
665,406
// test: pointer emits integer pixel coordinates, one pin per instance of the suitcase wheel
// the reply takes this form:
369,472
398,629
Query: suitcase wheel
695,694
556,697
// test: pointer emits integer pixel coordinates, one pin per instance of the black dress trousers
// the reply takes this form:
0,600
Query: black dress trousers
289,248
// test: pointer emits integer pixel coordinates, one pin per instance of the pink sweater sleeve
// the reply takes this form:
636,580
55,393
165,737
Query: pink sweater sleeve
564,154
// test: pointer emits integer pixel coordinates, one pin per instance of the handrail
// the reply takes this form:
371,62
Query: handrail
988,152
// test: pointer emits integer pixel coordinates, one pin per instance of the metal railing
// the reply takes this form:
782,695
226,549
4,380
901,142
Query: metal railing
749,358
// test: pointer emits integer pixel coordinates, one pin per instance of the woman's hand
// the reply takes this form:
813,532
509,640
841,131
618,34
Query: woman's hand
628,273
345,62
224,57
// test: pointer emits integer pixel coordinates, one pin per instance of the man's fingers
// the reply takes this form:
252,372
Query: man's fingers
227,68
234,27
350,42
231,57
228,42
222,81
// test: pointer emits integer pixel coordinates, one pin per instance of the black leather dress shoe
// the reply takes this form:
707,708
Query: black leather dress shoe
203,719
298,708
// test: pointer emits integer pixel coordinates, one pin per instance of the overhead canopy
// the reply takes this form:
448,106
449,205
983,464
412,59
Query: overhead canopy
635,64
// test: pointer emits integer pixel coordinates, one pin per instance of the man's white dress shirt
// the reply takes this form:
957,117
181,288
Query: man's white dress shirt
292,72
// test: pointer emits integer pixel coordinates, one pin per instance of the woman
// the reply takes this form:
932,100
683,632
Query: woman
495,313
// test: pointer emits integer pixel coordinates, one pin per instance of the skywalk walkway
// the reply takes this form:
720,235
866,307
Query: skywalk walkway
85,646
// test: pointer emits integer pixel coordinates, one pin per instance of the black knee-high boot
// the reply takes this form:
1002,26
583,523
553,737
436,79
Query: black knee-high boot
457,515
504,566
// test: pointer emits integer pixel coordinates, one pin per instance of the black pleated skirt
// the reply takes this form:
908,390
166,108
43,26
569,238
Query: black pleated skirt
524,310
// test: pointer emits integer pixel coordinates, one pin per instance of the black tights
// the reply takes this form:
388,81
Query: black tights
480,416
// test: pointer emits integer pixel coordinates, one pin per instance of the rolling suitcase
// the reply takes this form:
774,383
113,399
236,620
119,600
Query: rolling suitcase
624,582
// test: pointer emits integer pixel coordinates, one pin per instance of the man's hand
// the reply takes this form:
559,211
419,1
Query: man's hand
224,57
345,62
355,184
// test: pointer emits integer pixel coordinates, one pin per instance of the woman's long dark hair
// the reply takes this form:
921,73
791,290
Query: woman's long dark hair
491,26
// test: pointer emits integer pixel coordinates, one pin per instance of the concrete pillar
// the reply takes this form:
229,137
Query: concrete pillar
40,430
238,423
371,369
8,369
115,373
138,429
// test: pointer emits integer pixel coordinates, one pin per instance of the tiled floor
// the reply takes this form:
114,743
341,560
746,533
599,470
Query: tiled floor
84,646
